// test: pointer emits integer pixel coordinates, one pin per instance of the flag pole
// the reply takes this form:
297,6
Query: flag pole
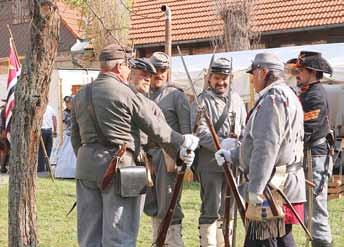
13,42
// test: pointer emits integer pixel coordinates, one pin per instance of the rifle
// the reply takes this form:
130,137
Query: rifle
309,169
166,222
227,211
228,173
111,170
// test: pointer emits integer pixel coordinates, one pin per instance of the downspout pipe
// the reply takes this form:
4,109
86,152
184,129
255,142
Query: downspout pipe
168,35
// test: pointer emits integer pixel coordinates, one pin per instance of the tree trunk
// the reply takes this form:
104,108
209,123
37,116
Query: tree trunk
31,99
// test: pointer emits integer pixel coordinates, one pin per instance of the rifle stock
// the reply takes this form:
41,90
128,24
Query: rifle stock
111,170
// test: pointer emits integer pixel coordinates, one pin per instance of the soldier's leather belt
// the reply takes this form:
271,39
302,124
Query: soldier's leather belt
112,146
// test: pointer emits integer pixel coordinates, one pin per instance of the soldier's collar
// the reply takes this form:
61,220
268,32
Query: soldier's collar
305,87
265,90
113,75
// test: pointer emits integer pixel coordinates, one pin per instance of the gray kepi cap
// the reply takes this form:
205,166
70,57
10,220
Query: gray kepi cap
221,66
266,60
160,60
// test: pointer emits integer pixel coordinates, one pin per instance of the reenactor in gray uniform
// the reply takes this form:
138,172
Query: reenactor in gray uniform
310,67
225,108
175,106
271,149
104,217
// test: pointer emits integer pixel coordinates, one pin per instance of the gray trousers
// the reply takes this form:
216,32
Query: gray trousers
320,221
159,196
105,219
213,189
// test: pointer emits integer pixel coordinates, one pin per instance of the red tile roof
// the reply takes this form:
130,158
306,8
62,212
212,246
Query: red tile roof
69,29
195,19
192,19
275,15
72,17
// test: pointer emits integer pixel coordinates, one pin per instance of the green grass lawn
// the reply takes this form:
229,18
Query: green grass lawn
57,230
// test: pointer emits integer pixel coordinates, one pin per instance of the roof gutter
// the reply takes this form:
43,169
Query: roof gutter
294,30
191,41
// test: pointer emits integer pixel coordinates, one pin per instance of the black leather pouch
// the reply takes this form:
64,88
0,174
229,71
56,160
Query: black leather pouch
131,181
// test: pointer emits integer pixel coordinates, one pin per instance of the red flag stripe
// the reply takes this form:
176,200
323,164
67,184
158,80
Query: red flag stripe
13,74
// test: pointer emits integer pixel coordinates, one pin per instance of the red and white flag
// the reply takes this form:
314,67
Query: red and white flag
14,70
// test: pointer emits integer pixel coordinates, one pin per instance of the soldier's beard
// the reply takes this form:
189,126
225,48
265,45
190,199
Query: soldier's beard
221,90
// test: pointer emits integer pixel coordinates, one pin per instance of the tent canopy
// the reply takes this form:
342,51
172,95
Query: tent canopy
197,64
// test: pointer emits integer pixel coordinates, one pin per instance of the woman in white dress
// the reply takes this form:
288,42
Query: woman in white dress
66,160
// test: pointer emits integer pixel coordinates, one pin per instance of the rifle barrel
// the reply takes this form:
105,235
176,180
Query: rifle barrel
189,77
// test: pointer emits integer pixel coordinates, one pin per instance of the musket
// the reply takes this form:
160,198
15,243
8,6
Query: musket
111,170
235,220
228,173
309,169
226,216
227,207
166,222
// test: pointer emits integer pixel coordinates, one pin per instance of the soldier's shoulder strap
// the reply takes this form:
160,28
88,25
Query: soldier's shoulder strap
93,116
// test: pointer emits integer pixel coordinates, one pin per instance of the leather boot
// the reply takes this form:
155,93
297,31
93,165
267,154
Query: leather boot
320,243
207,235
174,236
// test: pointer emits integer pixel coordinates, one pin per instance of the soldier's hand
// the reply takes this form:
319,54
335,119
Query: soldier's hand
187,156
190,142
254,198
222,156
229,143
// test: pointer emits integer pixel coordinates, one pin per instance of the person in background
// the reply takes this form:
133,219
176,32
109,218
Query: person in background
48,131
176,109
310,68
66,160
